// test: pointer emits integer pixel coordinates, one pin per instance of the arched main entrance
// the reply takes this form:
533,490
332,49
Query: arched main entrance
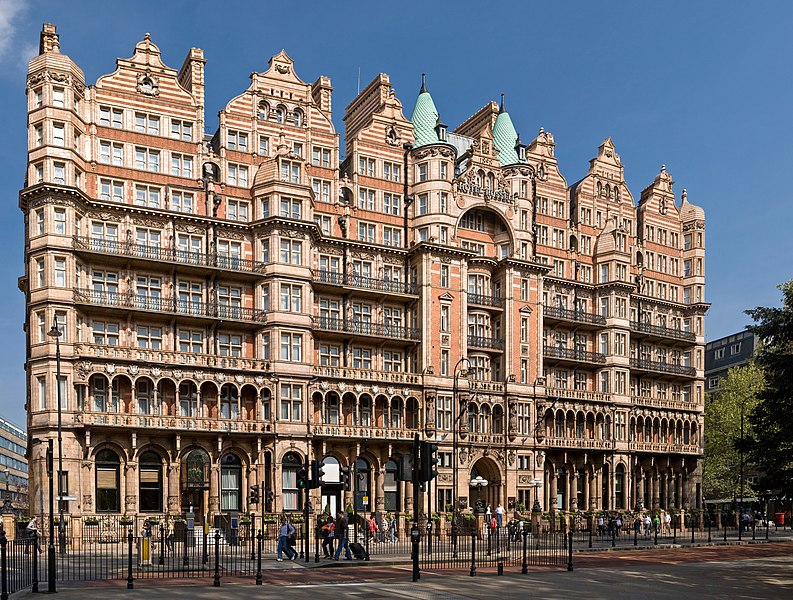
491,494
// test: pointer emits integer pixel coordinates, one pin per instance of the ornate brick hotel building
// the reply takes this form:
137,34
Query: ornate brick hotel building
232,302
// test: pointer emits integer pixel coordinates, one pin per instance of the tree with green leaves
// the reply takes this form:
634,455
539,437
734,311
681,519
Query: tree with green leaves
736,396
771,444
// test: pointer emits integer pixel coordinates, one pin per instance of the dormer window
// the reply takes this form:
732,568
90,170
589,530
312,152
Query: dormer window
440,131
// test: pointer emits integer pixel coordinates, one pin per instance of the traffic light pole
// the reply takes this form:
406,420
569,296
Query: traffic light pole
304,551
415,532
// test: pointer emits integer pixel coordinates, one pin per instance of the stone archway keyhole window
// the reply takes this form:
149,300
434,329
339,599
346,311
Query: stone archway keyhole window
290,495
108,494
150,484
195,470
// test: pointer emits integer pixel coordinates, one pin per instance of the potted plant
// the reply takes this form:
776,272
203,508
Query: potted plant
449,507
269,519
90,521
297,519
125,520
245,520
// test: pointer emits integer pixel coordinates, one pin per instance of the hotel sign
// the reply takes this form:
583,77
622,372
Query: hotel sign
486,193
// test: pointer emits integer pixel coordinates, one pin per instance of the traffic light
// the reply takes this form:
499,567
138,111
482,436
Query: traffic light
317,471
269,496
405,472
428,459
302,479
344,473
254,494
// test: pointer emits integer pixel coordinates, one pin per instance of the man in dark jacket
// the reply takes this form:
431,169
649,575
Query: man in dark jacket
342,537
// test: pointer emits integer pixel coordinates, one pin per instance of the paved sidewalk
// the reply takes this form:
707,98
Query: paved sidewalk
735,572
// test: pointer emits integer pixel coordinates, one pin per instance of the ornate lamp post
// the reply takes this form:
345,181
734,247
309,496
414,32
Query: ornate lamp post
458,371
479,482
536,483
56,333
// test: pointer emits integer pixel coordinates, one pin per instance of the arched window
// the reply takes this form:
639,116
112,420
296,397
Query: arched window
396,414
290,495
498,419
150,484
108,494
391,487
579,425
619,487
188,398
605,488
559,428
230,483
472,418
412,413
297,117
195,470
262,110
280,114
228,402
143,392
366,411
484,419
332,409
362,474
331,471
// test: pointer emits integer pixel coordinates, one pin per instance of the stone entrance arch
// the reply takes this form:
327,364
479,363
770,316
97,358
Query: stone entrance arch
491,495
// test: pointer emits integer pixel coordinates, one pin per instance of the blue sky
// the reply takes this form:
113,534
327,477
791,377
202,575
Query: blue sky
703,87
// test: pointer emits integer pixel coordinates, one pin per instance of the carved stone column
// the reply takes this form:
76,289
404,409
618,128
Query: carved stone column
131,481
379,483
173,487
214,491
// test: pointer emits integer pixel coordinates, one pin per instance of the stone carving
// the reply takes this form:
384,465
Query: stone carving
324,386
220,377
511,457
259,380
390,390
110,368
342,387
84,369
199,376
282,69
148,84
156,371
177,373
375,389
539,458
406,392
133,369
239,378
358,388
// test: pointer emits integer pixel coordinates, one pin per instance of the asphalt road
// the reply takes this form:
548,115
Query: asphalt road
761,571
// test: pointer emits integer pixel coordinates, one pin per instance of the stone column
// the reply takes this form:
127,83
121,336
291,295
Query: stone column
656,487
131,486
172,471
572,500
214,489
379,483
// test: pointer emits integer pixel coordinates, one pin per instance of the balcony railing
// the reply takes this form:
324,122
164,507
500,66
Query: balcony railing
659,331
664,447
573,354
662,403
385,377
363,282
185,257
169,305
367,328
173,422
189,359
478,341
565,442
485,300
662,367
360,432
571,394
578,316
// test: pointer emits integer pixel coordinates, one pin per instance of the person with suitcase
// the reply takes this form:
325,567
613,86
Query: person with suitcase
342,535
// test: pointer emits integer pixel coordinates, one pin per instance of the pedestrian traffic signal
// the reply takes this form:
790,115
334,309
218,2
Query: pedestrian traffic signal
428,461
302,479
254,494
344,473
405,471
317,471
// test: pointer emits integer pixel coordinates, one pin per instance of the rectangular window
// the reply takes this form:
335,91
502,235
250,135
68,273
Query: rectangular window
60,221
329,355
182,201
421,208
147,159
291,208
237,210
149,337
237,175
290,171
422,172
182,165
60,271
291,347
361,358
366,232
230,344
291,252
445,276
105,333
444,362
291,297
237,140
392,236
59,172
147,196
191,340
59,134
147,124
181,130
291,402
392,204
111,190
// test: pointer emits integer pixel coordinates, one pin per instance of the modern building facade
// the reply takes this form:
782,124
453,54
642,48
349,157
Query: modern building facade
724,353
13,466
233,303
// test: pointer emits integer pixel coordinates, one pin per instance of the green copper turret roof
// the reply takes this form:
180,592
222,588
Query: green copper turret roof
505,137
425,118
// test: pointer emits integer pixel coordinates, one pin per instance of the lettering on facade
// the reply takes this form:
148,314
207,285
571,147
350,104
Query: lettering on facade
487,193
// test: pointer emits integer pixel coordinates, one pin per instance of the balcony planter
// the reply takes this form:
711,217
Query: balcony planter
126,521
269,519
90,521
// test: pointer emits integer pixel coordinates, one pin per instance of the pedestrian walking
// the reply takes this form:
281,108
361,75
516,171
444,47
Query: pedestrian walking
286,539
32,536
500,515
657,523
601,526
342,537
169,538
328,534
667,524
392,529
373,528
648,524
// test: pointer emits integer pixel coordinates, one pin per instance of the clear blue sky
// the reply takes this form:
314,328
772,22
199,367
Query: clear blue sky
703,87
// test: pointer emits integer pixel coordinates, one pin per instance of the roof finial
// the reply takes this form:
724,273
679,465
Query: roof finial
663,168
685,195
502,108
423,89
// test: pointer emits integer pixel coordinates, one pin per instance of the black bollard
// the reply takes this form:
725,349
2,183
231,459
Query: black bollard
570,553
500,565
216,581
525,566
693,525
635,535
473,554
35,562
130,581
259,539
613,536
161,560
185,559
591,526
674,529
252,532
205,552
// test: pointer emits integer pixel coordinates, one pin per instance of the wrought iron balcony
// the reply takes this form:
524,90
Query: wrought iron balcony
573,354
662,367
577,316
478,341
485,300
184,257
168,305
659,331
363,282
367,328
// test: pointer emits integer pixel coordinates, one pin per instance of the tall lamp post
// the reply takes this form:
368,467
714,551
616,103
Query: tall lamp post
465,363
8,506
56,333
740,501
479,482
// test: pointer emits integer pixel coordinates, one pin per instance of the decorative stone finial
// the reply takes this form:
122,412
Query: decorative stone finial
685,195
423,89
663,168
502,108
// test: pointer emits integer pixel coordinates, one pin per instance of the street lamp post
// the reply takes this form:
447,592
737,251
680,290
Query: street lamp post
479,482
740,501
457,414
8,507
56,333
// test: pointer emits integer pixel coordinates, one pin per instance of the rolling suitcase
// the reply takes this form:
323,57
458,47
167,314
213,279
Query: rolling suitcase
358,551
